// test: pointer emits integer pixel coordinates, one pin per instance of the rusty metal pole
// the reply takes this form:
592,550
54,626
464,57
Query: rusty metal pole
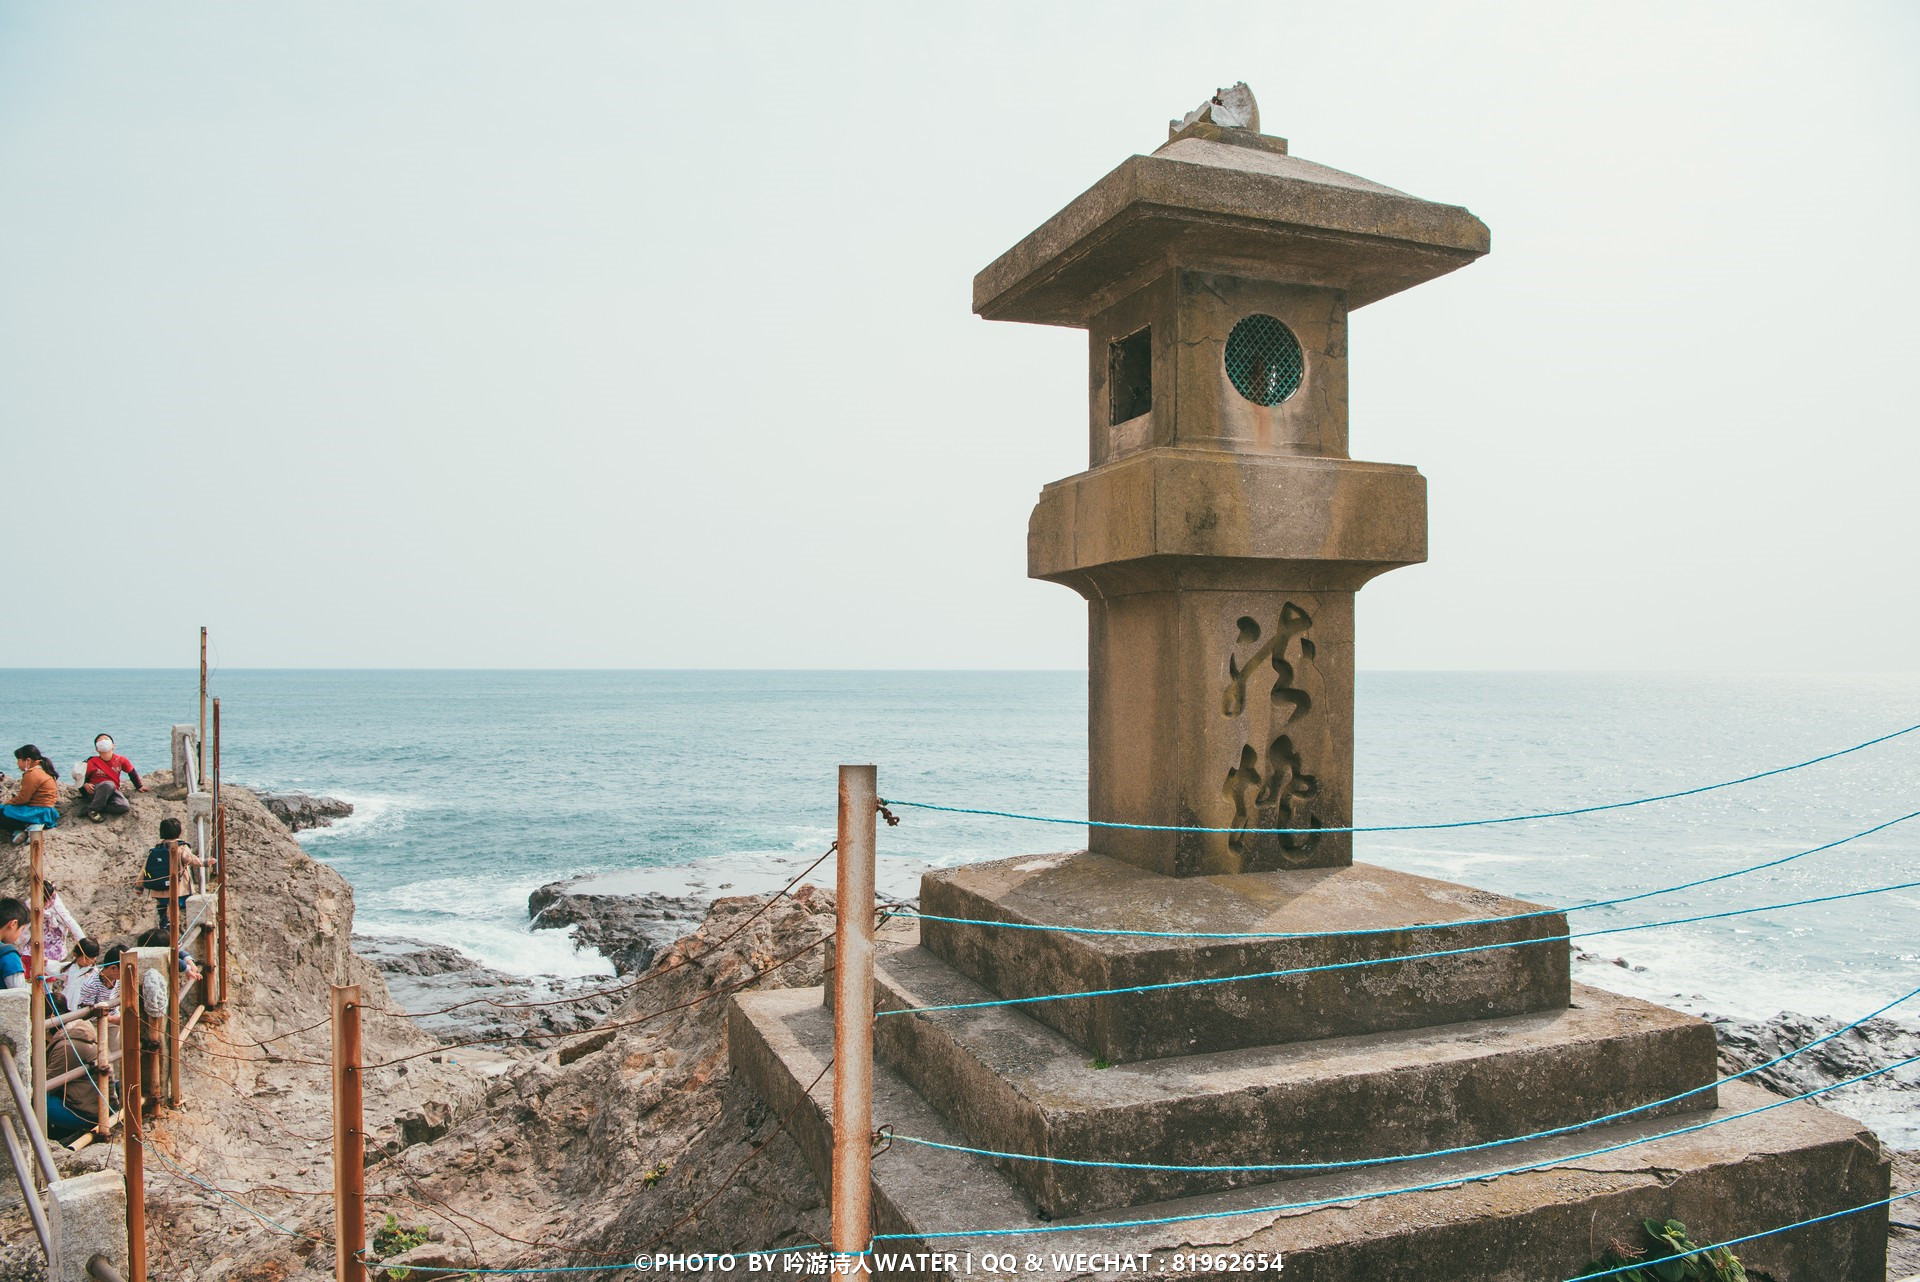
37,973
349,1141
200,744
130,1123
216,949
853,1013
220,916
173,976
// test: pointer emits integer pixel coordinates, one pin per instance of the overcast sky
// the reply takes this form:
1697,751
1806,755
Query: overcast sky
636,335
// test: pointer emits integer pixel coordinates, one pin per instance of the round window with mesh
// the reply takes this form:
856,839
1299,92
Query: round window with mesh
1264,360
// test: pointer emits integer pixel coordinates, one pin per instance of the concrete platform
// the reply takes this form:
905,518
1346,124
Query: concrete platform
1082,889
1544,1224
1013,1085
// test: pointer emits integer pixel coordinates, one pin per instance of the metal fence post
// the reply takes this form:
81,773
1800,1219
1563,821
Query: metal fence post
215,987
131,1122
220,830
349,1141
200,744
853,1012
173,976
37,975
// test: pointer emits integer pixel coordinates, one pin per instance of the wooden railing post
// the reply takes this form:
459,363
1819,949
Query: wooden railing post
853,1013
131,1123
349,1141
37,976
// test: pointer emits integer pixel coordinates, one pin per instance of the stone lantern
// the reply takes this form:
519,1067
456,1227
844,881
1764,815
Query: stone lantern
1222,529
1216,1054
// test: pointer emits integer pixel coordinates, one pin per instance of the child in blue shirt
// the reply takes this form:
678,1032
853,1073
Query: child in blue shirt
13,920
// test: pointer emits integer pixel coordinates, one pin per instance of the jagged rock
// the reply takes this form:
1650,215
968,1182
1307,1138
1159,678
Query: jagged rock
1744,1043
627,929
486,1003
300,811
257,1110
637,1135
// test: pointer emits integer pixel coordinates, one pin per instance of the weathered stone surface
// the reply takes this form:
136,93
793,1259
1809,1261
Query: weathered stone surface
300,811
1734,1177
1211,203
1081,889
628,930
461,1000
1875,1044
1015,1086
1221,529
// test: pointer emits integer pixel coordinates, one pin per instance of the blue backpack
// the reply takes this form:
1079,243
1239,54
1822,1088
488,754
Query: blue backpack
159,869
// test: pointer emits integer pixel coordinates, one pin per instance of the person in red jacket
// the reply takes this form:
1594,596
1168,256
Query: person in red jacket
101,790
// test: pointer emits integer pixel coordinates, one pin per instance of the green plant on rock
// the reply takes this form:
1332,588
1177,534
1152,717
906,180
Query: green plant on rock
394,1237
1669,1257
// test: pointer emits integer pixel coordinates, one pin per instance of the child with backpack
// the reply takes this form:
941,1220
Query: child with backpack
13,921
158,877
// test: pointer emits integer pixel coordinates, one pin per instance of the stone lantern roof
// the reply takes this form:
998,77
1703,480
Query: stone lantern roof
1231,200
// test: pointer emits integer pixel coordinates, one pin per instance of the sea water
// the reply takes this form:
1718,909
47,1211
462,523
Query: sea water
473,788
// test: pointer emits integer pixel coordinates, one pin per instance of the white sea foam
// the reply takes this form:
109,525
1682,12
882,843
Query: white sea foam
493,941
373,815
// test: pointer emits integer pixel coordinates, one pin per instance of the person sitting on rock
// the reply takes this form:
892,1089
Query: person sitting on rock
102,986
34,801
13,921
153,1005
85,966
101,787
158,879
60,929
73,1108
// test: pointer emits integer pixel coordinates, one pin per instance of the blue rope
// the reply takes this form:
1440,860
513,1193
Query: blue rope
1427,827
1414,1157
907,910
1402,957
1751,1237
1430,1186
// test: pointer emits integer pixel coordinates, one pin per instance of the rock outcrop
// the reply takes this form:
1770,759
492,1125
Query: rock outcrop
300,811
1745,1043
631,1137
458,999
254,1116
626,929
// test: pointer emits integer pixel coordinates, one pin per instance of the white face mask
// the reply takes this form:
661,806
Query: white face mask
103,746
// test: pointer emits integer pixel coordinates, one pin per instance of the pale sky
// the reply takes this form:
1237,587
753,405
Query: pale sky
635,335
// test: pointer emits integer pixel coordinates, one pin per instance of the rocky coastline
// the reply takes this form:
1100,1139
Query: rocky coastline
459,999
300,811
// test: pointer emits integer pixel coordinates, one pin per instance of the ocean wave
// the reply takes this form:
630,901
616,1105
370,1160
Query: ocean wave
374,815
497,942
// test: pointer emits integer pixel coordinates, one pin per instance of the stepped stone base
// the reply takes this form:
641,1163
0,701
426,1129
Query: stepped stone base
1092,890
1016,1086
1543,1224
